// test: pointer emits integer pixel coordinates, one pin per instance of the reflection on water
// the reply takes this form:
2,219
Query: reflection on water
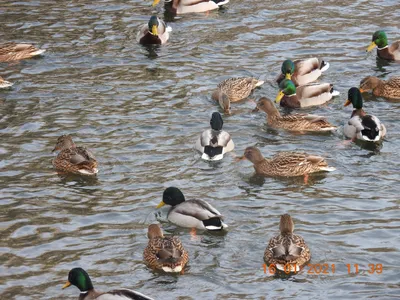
141,109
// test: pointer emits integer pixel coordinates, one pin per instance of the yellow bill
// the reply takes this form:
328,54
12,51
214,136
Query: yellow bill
371,46
279,97
67,284
347,102
154,30
161,204
288,76
155,2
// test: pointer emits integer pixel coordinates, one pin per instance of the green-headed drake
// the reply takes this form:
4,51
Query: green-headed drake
361,125
80,278
193,6
379,39
303,71
155,32
287,248
304,96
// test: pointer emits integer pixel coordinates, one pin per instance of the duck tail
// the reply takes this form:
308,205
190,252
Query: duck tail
212,153
214,224
371,130
221,2
334,92
324,66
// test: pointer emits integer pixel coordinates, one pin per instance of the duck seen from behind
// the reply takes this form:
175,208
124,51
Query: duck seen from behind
73,159
303,71
362,126
385,51
14,51
287,251
286,164
155,32
193,6
381,88
164,253
80,278
191,213
214,143
304,96
293,122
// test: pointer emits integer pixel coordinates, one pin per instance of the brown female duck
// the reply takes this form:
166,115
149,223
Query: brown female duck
381,88
164,253
13,51
4,83
73,159
293,122
237,88
287,251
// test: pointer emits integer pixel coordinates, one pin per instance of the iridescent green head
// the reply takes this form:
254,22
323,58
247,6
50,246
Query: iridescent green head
153,25
287,68
379,39
286,87
354,97
79,278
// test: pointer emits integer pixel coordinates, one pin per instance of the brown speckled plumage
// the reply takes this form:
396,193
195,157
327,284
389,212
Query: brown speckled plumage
73,159
293,122
238,88
4,83
287,247
381,88
13,51
286,164
164,253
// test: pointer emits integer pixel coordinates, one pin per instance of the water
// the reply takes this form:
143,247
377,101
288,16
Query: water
141,112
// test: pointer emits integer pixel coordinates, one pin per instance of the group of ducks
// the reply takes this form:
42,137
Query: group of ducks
166,253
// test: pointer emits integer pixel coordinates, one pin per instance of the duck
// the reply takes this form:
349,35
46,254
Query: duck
223,101
214,143
287,251
286,164
193,6
379,39
164,253
237,88
14,51
293,122
155,32
191,213
4,83
302,71
73,159
381,88
362,126
80,278
304,96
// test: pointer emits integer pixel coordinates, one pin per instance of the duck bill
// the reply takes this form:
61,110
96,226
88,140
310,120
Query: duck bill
347,102
239,158
154,30
371,46
161,204
279,97
55,149
288,76
67,284
155,2
362,91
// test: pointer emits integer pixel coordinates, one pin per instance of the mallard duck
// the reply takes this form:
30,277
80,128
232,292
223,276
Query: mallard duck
73,159
13,51
381,88
214,143
191,213
293,122
361,125
153,33
80,278
192,6
304,96
4,84
164,253
379,39
287,248
222,100
286,164
238,88
303,71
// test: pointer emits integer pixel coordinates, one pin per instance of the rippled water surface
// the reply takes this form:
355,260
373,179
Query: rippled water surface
140,112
